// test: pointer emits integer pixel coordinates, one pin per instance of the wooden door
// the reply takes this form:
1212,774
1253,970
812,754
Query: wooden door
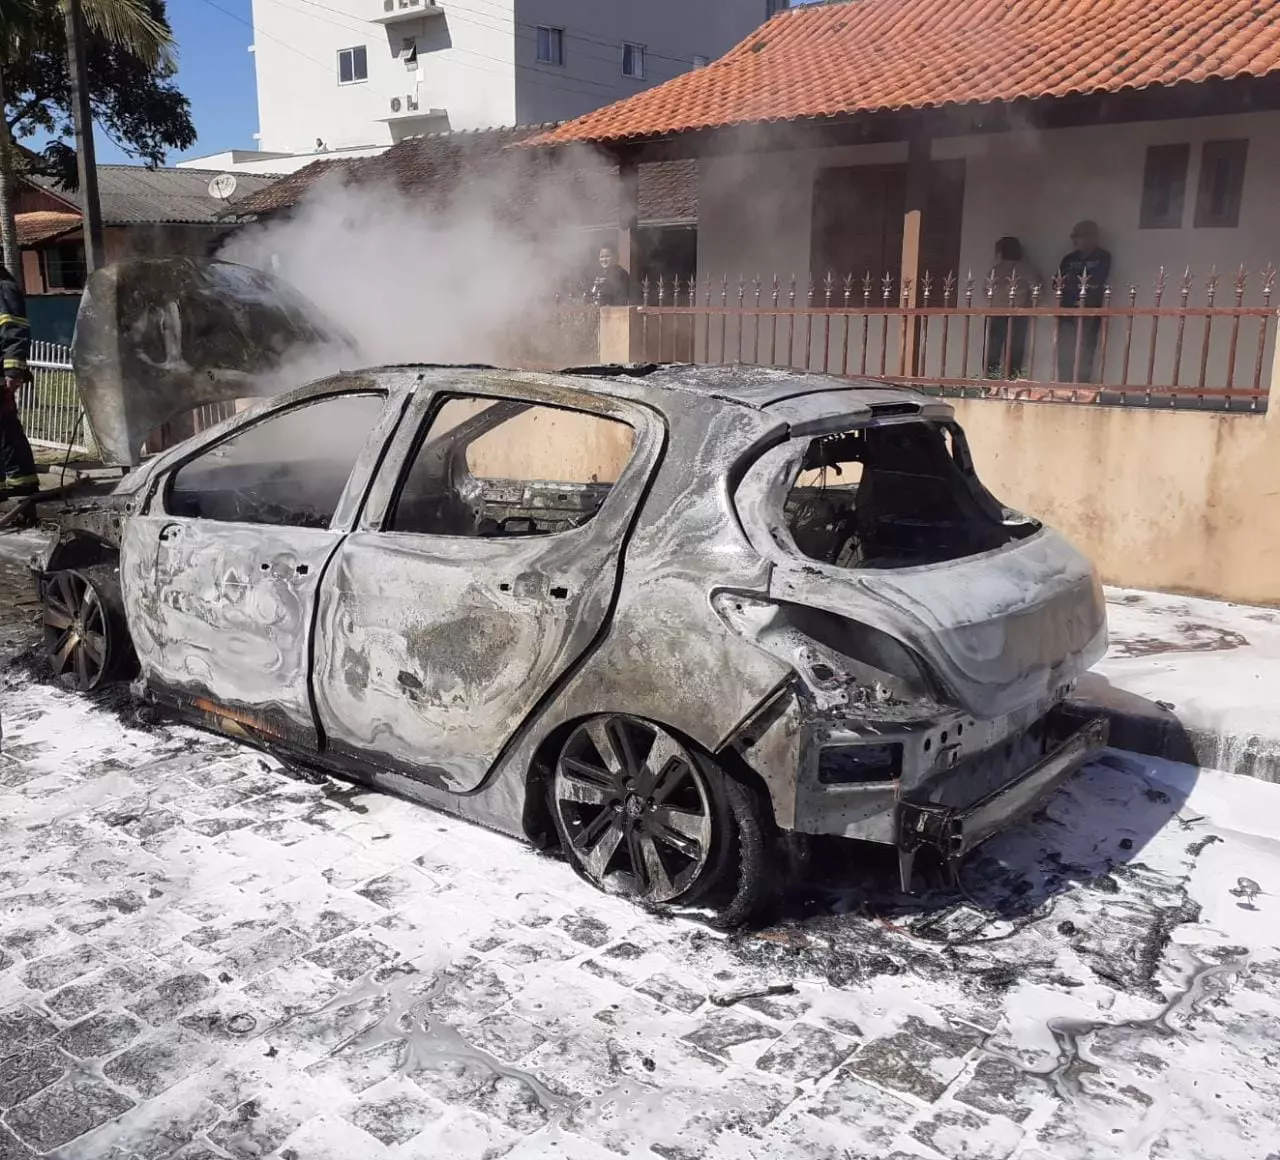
857,223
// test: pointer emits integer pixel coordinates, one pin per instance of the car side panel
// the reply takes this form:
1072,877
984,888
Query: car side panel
667,655
432,650
221,613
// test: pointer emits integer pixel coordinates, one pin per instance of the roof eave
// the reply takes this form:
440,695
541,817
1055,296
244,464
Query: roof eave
1242,93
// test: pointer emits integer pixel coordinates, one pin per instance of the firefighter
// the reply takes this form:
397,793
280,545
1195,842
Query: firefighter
17,464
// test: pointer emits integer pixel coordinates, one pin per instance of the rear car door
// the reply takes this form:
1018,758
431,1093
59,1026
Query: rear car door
221,568
485,566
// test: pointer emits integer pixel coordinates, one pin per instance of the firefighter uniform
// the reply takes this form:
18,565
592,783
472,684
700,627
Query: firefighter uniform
17,464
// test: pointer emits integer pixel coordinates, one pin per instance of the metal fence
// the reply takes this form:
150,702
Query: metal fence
50,406
53,415
1189,342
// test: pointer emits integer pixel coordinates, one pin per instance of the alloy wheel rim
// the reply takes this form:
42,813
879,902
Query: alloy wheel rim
75,630
635,808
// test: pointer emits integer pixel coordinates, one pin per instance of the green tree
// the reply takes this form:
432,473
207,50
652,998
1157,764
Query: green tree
130,66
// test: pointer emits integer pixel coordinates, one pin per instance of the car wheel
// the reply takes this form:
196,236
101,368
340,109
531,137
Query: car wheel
642,813
85,637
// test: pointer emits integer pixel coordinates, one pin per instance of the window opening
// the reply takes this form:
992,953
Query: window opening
289,469
501,467
1164,187
633,60
1222,166
353,65
550,45
892,496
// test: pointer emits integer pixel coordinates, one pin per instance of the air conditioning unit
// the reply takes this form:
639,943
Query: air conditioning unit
410,3
411,103
395,104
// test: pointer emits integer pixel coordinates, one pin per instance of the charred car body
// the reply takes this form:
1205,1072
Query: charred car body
659,613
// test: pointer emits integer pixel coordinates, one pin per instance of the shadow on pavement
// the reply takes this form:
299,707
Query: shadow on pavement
1101,819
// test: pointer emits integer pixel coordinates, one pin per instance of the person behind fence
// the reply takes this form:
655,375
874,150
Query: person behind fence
1088,263
17,464
612,285
1012,281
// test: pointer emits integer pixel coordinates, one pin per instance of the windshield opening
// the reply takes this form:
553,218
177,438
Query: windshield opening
893,496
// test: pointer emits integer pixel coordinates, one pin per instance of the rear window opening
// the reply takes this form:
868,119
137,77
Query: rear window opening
893,496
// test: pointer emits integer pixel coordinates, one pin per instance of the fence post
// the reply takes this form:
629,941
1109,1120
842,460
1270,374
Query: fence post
620,337
919,154
1273,380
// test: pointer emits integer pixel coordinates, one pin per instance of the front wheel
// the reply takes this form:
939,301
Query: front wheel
85,636
642,813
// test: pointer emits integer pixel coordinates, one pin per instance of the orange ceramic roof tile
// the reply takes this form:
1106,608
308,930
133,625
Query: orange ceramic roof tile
863,56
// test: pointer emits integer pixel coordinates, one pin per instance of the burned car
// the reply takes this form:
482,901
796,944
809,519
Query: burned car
658,615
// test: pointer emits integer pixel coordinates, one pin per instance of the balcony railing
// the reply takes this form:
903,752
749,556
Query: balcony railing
1195,342
394,11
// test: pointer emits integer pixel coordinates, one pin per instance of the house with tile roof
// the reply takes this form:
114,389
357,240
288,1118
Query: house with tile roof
545,192
891,143
894,141
145,211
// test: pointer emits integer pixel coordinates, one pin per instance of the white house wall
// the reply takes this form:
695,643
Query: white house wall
1037,185
477,61
465,66
756,216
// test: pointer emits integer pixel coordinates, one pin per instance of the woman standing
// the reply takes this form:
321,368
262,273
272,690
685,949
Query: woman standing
1013,279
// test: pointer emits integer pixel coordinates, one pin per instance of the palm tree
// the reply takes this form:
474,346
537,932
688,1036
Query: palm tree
127,23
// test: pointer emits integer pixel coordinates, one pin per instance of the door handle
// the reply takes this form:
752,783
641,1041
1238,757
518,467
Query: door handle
170,532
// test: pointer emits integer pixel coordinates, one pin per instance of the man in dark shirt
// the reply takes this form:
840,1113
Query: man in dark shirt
17,465
1088,264
612,286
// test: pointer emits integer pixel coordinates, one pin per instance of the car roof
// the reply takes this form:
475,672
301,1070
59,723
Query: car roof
764,388
792,395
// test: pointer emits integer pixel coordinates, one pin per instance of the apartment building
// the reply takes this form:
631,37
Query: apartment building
355,76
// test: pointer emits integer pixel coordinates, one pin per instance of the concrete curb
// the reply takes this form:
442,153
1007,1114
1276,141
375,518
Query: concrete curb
1145,727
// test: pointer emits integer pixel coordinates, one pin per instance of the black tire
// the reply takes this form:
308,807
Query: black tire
85,635
680,834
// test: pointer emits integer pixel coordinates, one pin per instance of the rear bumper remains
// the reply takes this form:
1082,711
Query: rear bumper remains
955,831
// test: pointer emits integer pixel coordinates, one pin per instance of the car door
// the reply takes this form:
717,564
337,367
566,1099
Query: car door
220,570
485,567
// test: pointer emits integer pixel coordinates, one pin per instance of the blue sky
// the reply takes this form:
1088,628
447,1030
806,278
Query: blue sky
216,74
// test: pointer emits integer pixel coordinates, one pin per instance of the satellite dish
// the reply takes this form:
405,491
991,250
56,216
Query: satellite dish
223,186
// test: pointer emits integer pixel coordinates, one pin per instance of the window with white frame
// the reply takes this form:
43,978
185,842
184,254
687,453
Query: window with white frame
550,45
633,60
353,65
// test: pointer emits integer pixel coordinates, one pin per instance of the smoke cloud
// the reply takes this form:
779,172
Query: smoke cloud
470,276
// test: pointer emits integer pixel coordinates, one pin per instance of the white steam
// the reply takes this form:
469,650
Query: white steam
471,277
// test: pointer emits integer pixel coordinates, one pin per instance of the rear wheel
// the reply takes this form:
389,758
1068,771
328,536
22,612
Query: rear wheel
85,637
642,813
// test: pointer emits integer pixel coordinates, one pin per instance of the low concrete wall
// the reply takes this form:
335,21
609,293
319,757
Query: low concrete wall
1165,500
